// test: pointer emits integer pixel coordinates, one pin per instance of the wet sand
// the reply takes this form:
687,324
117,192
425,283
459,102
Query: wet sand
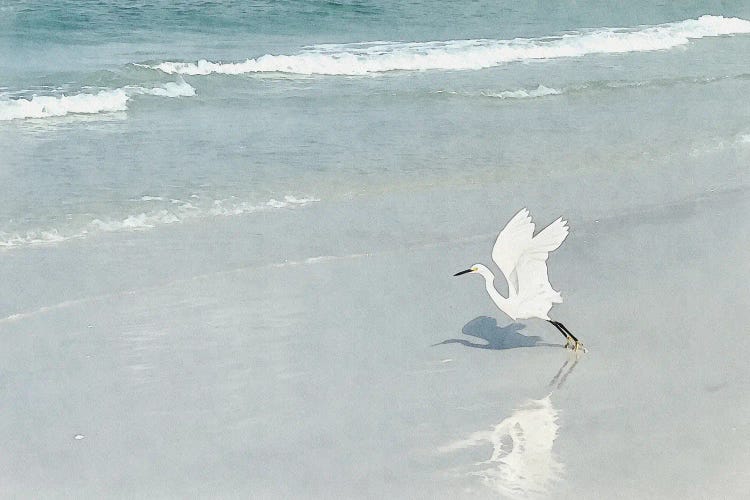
328,352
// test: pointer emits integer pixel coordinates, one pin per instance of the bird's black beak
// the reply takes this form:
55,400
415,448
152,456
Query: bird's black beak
463,272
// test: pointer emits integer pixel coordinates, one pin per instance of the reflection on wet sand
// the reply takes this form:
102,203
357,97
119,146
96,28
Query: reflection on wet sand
522,463
563,373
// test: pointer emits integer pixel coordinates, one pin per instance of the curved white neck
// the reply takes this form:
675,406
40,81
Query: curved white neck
497,298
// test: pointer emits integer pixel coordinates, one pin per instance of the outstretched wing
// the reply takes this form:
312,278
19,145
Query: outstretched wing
522,258
535,293
510,245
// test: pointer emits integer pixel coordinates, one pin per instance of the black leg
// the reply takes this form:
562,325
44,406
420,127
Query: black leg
565,330
555,323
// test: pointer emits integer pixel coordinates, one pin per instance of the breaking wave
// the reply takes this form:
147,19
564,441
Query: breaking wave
105,101
378,57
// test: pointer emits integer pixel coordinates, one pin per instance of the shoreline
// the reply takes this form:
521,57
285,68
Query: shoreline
337,357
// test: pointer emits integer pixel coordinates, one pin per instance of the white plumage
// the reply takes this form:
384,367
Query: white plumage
522,258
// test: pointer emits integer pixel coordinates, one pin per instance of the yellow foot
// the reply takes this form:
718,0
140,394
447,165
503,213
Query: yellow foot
579,345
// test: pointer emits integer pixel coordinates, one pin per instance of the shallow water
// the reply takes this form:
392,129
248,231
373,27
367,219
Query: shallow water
227,277
114,116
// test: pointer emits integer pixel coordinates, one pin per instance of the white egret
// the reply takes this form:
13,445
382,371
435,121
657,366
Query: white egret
522,258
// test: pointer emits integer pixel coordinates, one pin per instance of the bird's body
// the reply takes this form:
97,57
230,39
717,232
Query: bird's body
522,258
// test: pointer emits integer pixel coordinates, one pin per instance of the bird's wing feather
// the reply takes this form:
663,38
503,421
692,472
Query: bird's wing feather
522,257
550,237
535,293
511,243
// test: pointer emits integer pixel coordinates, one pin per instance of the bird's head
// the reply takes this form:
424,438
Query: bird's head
476,268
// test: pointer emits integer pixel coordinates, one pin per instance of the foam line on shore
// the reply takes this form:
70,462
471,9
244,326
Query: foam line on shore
365,58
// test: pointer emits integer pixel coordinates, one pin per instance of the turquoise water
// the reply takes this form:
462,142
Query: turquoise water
228,232
117,116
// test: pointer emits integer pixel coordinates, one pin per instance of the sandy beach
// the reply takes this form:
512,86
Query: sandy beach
360,367
229,233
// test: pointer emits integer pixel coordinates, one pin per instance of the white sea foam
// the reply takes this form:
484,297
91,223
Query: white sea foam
540,91
38,237
230,207
179,211
170,89
139,221
47,106
183,210
377,57
104,101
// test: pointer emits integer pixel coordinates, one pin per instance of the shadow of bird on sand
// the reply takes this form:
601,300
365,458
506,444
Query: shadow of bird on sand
497,337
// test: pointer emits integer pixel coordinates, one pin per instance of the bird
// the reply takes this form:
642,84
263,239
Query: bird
522,258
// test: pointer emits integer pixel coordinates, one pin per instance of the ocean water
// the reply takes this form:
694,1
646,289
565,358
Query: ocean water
117,116
228,231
